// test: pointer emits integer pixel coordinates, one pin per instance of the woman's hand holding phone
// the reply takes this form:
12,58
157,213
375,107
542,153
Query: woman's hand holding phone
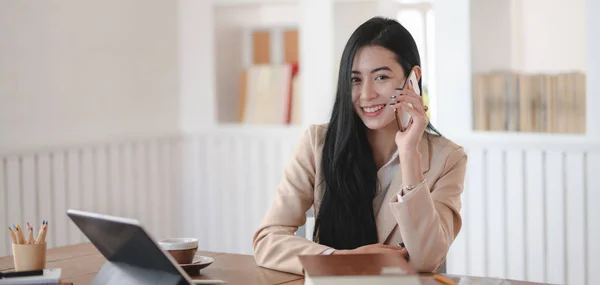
409,101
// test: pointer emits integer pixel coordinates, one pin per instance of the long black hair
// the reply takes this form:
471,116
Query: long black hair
345,218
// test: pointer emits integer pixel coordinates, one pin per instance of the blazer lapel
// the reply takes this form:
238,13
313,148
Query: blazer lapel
385,219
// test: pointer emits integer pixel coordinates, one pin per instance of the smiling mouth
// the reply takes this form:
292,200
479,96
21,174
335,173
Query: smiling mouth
373,109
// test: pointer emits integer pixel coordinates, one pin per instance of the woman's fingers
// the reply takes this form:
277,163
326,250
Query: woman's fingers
411,94
412,111
409,91
416,104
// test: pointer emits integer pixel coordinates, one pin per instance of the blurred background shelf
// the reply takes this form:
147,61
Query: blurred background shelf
522,79
537,102
261,36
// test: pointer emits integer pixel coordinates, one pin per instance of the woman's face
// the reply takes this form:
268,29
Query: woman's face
375,76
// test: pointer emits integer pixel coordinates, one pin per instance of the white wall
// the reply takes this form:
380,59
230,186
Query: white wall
452,100
553,35
528,35
593,68
491,35
347,17
74,71
196,65
317,63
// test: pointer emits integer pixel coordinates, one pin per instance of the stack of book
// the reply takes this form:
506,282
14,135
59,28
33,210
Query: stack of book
269,94
548,103
34,277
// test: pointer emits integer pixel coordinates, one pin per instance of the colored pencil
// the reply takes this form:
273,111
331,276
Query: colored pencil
12,235
443,280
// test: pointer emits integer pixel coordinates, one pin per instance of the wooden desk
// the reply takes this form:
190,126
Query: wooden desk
81,262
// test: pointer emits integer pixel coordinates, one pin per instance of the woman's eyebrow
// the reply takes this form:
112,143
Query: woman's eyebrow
374,70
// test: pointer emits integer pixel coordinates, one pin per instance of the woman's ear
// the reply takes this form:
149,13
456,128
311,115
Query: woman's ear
417,70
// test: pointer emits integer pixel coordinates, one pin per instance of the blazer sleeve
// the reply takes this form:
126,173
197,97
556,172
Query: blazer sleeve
429,220
275,245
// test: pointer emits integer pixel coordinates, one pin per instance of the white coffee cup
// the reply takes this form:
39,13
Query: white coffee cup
182,249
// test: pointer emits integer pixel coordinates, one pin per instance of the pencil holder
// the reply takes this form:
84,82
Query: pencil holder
29,256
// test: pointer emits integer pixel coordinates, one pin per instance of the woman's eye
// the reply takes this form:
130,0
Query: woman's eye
382,77
355,80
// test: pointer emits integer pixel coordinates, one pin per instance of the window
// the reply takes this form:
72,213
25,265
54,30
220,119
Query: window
418,18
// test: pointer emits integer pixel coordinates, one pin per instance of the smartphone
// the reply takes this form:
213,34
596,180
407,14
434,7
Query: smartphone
405,116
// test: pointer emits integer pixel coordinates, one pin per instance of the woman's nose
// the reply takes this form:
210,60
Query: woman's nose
368,92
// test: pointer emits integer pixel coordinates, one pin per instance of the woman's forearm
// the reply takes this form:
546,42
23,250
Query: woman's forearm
410,165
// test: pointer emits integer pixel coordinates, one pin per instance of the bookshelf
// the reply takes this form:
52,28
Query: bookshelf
529,102
235,18
267,35
256,44
521,79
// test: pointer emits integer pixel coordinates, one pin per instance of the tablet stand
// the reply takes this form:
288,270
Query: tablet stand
125,274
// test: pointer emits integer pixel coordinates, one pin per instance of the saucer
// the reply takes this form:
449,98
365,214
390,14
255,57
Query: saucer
198,263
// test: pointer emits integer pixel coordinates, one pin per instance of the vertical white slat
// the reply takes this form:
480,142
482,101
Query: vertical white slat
73,191
252,147
287,151
262,200
515,215
456,260
457,257
272,169
476,220
242,168
203,165
237,246
555,218
189,170
593,212
115,193
101,179
575,220
495,212
58,225
14,197
196,180
45,192
535,213
168,181
213,192
224,195
5,241
156,206
165,187
141,185
175,193
128,188
88,199
228,230
29,191
220,195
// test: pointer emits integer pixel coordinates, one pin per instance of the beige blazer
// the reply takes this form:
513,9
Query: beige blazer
427,222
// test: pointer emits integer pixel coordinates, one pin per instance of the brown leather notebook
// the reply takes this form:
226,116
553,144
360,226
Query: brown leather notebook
358,269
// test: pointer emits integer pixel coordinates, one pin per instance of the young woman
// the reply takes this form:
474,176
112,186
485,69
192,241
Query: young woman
372,188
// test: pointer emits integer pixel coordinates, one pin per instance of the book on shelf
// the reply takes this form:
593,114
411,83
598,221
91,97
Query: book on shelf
269,94
550,103
384,269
